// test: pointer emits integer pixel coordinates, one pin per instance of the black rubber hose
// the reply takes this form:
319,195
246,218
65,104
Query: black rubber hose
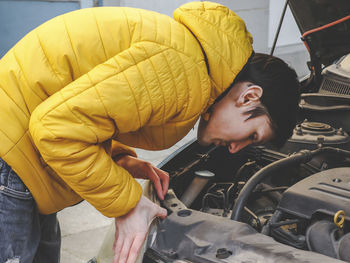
303,156
332,150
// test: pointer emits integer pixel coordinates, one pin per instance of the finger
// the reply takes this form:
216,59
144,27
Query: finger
136,247
153,176
118,247
115,236
164,177
124,253
162,213
114,243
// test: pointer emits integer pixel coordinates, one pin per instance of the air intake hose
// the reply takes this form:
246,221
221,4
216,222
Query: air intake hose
303,156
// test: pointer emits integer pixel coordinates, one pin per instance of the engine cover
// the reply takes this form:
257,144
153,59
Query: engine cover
190,236
326,192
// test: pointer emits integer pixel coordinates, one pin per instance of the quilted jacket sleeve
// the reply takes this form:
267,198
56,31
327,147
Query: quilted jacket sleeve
120,96
118,148
72,128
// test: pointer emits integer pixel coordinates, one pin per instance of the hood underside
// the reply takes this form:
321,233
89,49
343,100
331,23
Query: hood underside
325,27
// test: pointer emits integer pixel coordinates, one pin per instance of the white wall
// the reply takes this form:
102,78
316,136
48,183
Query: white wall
289,33
261,17
255,14
289,46
162,6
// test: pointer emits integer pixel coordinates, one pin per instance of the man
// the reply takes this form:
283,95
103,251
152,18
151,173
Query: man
266,87
80,89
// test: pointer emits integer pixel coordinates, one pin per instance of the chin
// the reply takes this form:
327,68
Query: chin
201,137
203,143
201,133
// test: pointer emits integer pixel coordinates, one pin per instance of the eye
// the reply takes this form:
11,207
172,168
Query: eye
254,137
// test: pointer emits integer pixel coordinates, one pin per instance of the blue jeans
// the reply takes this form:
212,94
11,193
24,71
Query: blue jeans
25,235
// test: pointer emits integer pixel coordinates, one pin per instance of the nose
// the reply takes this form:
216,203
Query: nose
237,146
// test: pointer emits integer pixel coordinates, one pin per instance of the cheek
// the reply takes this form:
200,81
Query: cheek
222,122
222,114
225,121
234,126
240,130
237,135
226,131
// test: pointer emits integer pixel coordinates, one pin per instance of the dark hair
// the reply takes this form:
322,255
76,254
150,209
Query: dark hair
280,92
259,110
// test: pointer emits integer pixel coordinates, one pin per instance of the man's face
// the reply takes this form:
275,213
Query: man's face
229,126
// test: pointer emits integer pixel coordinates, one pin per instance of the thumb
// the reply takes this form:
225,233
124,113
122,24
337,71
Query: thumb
162,213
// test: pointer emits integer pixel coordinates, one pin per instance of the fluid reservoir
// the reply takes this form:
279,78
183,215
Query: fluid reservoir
199,181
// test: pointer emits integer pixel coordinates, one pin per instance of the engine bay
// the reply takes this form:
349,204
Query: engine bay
300,199
267,204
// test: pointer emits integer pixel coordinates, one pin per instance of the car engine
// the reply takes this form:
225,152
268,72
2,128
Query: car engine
265,204
299,199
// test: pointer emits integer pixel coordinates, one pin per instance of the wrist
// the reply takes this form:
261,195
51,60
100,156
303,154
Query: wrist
121,159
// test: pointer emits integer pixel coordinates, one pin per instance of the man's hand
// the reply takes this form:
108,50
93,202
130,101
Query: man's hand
132,228
142,169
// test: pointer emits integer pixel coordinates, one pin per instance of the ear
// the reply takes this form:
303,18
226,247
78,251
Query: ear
249,95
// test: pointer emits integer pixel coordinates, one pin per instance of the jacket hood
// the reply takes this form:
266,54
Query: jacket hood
226,43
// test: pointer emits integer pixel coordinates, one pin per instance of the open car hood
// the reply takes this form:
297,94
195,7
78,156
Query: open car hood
325,27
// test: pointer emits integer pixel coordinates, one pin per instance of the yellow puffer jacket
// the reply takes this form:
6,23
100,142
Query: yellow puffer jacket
92,81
